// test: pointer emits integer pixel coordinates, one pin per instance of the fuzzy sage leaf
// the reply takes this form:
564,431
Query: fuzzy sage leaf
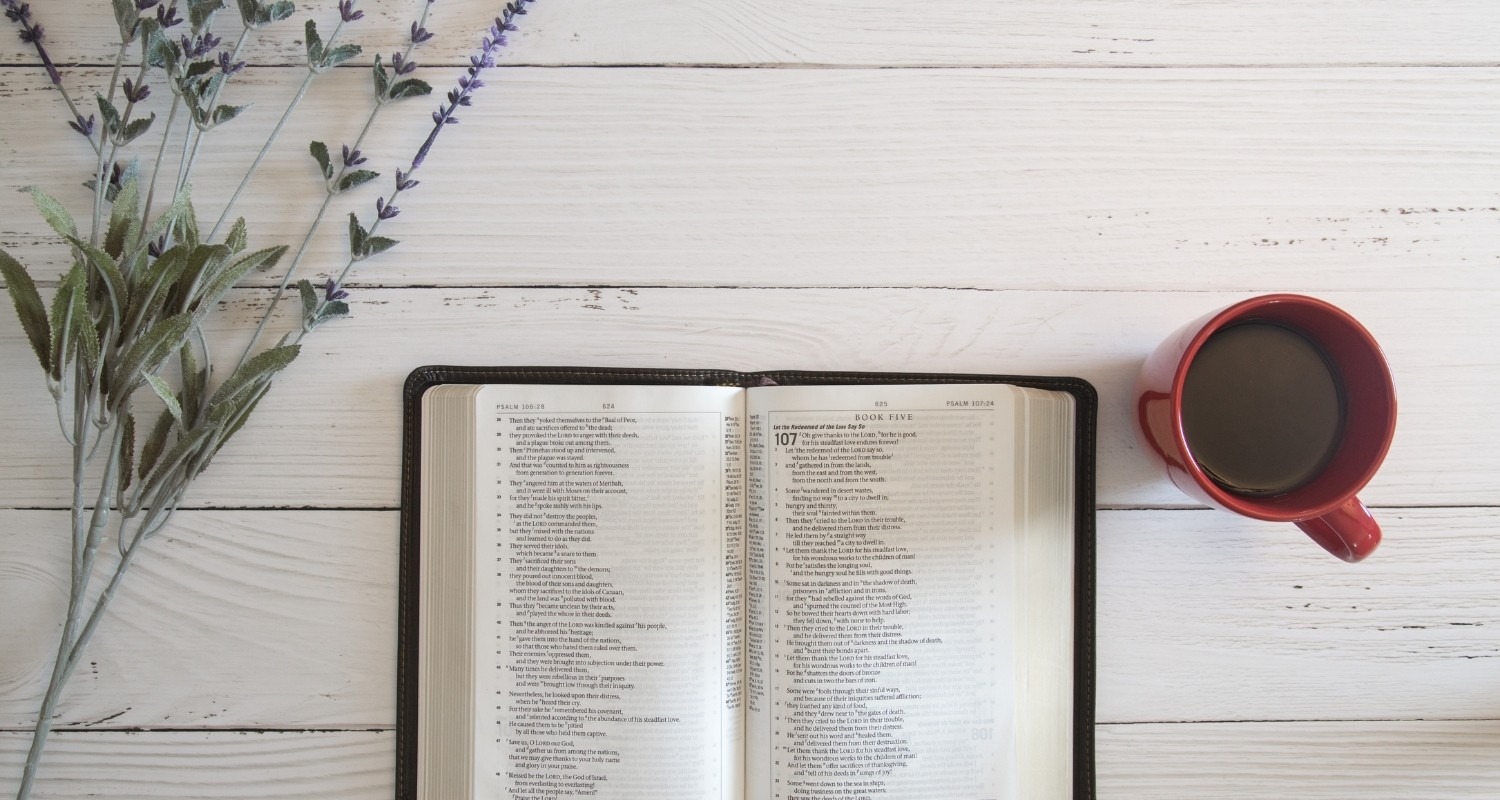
320,154
260,367
67,306
356,178
165,393
29,308
147,353
53,212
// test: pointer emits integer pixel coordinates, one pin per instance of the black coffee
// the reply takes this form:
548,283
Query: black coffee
1262,408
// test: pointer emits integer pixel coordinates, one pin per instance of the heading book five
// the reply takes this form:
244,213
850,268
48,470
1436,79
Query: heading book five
714,585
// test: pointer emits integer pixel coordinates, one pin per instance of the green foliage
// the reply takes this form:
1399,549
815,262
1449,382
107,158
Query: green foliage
410,87
29,308
320,154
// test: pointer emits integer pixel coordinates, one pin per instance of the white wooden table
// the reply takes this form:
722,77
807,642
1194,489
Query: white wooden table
955,185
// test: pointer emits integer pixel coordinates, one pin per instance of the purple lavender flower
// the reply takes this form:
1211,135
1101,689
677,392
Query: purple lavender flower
489,46
384,211
166,16
332,291
419,34
136,94
145,5
347,12
83,126
227,66
400,65
352,158
32,34
403,182
199,45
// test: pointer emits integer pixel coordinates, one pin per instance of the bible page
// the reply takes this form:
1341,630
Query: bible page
610,585
882,610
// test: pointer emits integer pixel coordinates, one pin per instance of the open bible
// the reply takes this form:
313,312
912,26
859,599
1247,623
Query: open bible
707,585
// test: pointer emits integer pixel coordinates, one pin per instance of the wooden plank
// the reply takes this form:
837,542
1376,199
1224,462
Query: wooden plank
254,619
337,765
1213,179
1207,616
1334,760
1309,761
886,32
329,434
229,619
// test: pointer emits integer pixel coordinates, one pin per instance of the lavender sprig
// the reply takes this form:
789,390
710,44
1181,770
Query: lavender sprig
364,243
31,33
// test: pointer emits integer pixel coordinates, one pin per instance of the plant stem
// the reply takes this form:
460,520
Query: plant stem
275,132
161,153
100,187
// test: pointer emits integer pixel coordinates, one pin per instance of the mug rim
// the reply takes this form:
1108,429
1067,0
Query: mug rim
1252,506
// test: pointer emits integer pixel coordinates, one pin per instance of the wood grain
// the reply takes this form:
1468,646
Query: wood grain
232,765
256,619
1212,179
328,435
883,32
228,619
1309,760
1318,761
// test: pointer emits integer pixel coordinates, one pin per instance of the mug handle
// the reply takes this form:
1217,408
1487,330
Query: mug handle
1349,531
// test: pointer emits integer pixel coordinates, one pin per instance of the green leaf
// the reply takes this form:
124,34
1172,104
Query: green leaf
259,368
186,447
334,310
379,244
382,79
56,215
194,383
147,353
126,17
135,129
411,87
161,51
88,343
314,45
236,417
196,69
357,235
250,12
108,114
201,11
340,54
185,227
225,113
320,154
356,178
123,218
309,302
225,279
279,10
203,263
238,238
156,283
127,454
29,308
182,205
67,304
165,393
156,442
109,271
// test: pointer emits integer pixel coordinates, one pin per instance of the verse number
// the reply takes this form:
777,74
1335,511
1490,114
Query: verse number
784,439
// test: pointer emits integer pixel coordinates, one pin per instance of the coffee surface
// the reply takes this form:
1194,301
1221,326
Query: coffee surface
1262,408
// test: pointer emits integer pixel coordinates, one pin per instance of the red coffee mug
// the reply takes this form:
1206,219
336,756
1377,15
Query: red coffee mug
1324,506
